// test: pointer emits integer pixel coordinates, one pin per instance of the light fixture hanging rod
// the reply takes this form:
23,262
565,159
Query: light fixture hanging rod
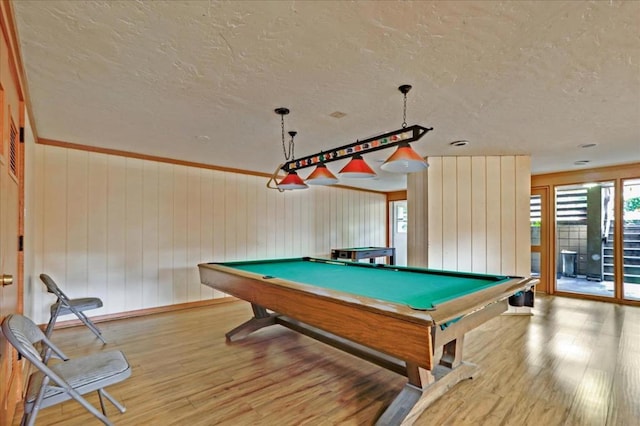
386,140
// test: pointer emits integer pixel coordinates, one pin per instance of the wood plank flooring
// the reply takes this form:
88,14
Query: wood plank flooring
574,362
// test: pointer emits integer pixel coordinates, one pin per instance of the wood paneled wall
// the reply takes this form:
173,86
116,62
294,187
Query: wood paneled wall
132,231
471,214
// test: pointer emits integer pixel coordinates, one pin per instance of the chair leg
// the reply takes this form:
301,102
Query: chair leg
100,416
111,399
33,412
91,326
31,419
104,411
86,321
52,322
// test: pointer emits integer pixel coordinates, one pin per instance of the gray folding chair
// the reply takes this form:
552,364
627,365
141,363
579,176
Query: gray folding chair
56,382
65,306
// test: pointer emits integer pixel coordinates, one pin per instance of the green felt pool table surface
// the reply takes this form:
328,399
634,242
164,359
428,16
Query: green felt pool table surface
417,288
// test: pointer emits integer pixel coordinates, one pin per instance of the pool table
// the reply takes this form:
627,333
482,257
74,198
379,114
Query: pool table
393,316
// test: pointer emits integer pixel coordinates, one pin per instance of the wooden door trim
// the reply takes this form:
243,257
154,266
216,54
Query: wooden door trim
547,268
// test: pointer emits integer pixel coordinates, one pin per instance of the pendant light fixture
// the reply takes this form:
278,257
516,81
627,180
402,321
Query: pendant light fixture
405,159
321,176
357,168
291,181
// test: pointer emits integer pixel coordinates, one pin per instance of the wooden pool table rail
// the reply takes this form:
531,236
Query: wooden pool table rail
381,327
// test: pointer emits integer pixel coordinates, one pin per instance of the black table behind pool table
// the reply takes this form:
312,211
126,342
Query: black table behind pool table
371,253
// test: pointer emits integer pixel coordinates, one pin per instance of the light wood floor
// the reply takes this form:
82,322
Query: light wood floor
574,362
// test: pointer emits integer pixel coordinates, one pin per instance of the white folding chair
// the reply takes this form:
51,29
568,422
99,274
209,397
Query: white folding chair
54,383
65,306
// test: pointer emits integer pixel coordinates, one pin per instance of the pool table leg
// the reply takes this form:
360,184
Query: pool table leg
424,388
261,318
452,353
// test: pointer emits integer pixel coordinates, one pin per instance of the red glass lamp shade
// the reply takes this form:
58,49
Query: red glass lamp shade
322,176
357,168
404,160
292,181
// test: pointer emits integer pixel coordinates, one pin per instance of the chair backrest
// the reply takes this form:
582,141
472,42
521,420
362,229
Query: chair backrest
52,287
23,334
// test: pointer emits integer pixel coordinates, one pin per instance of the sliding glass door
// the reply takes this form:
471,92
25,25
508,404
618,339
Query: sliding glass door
585,243
593,243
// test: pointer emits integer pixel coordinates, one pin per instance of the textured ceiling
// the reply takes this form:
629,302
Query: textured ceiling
199,80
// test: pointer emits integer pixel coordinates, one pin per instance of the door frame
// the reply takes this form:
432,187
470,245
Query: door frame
13,104
547,267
